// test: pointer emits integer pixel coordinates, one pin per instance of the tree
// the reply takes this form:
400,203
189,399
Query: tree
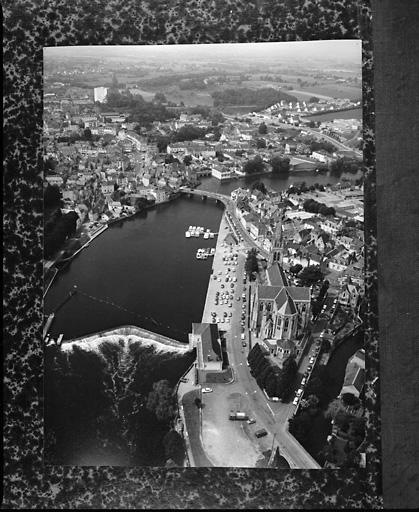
254,166
198,402
280,165
260,143
357,427
316,388
174,447
333,408
52,196
187,160
251,264
349,399
299,426
161,401
311,403
310,275
263,129
159,97
87,134
295,269
259,185
343,419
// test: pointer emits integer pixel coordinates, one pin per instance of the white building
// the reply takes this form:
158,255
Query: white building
206,339
100,94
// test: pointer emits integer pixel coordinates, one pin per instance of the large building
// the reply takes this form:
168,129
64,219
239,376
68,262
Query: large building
100,94
206,339
280,314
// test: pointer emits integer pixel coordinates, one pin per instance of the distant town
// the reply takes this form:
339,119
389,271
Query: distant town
287,282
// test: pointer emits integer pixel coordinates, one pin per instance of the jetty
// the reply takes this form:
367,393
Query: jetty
50,318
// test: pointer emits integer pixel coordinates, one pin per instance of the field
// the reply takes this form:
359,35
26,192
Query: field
355,113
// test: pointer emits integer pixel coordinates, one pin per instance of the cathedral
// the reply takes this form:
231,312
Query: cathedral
280,312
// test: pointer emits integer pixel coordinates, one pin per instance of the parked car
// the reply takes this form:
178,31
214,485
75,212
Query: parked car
250,421
299,392
295,401
312,359
207,390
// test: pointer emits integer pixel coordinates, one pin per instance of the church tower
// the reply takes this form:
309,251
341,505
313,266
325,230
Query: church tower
277,251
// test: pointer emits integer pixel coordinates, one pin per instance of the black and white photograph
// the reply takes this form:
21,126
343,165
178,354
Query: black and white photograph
203,255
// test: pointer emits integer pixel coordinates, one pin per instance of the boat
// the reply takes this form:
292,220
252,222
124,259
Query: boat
187,234
196,234
206,236
211,235
212,251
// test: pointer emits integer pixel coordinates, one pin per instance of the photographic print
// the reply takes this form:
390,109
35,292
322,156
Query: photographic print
117,364
203,255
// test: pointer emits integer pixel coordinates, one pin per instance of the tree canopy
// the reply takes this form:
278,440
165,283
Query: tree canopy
310,275
174,447
52,196
161,401
263,129
280,165
259,185
254,166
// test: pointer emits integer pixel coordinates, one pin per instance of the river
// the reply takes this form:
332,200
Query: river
273,181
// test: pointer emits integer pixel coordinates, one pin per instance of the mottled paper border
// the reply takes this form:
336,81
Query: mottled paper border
28,27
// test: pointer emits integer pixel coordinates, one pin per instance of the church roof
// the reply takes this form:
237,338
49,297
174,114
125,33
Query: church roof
276,275
286,344
285,304
209,339
268,292
298,293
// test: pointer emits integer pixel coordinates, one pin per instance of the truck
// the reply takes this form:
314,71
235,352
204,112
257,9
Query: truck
240,416
261,432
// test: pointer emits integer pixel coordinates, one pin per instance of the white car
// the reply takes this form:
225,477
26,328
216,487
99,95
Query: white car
295,401
299,392
312,359
207,390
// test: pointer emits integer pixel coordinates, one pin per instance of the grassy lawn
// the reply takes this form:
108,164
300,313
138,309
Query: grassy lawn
219,377
193,426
